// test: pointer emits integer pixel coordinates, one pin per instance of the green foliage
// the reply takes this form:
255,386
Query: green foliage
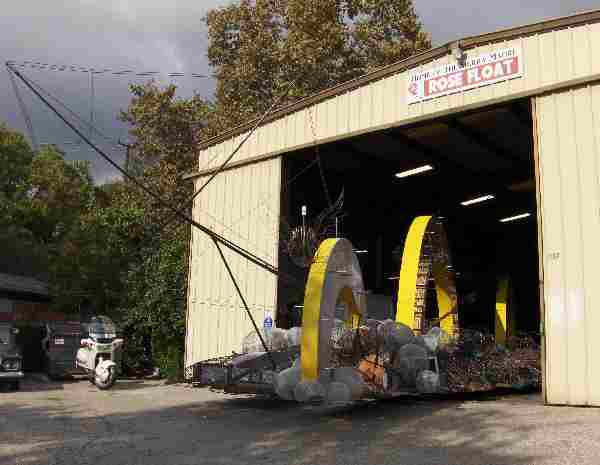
41,199
97,252
15,162
108,244
156,300
58,193
20,252
163,127
258,46
16,157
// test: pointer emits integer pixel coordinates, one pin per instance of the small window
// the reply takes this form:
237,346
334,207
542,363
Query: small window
6,305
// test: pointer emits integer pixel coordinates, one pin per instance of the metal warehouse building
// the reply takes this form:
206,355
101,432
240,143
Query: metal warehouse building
514,115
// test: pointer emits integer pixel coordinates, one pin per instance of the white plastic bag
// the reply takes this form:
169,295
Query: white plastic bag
410,360
294,336
394,335
286,381
428,382
310,391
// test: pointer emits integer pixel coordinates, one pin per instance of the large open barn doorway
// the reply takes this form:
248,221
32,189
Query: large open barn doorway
487,152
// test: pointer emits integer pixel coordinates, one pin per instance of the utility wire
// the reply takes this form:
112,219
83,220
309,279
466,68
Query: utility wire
86,123
97,70
24,111
253,258
119,144
274,105
216,238
241,296
180,213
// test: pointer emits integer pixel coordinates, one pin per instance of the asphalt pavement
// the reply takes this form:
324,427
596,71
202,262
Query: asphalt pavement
151,423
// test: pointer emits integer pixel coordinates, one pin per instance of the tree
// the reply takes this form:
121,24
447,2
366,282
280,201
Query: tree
258,46
163,127
156,302
153,303
58,193
96,254
16,157
41,198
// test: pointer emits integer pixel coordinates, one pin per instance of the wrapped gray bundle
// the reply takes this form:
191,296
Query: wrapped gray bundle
251,343
309,391
428,382
286,381
338,393
278,340
434,338
294,336
394,335
372,325
409,361
351,378
368,337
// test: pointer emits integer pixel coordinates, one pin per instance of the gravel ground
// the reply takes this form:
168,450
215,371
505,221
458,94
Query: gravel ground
149,423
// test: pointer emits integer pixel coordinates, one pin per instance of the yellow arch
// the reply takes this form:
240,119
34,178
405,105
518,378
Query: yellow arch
415,269
504,320
333,276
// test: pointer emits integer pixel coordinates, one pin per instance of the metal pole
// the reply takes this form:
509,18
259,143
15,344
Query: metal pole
91,101
239,292
178,212
23,108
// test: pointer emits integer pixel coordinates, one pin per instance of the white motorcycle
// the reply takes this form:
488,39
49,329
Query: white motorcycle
100,353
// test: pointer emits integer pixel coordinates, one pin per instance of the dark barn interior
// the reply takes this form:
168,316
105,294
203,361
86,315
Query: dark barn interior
485,152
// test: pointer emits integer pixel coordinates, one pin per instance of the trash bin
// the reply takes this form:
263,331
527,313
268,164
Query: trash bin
60,348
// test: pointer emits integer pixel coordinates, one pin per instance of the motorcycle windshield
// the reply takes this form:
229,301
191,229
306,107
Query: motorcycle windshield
102,329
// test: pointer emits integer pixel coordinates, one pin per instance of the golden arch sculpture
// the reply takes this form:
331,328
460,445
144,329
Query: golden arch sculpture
334,276
505,324
426,256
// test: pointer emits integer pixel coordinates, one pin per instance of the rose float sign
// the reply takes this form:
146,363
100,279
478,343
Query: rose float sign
478,71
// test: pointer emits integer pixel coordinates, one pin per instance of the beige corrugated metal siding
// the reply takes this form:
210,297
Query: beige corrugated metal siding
552,59
569,163
243,206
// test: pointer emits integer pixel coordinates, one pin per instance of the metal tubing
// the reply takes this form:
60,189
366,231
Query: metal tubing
239,291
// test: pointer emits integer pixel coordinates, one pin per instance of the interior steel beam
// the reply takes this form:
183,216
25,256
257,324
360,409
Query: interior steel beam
483,141
349,147
480,180
429,153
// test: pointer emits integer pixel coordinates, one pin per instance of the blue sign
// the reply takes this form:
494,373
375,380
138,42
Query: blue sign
268,322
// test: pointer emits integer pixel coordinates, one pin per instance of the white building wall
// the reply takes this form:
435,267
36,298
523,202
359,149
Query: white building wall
569,165
243,206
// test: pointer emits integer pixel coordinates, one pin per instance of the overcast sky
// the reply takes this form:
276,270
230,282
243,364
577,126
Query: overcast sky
169,36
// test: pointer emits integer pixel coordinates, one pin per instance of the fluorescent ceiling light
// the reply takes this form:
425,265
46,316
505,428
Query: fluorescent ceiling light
419,170
483,198
514,218
361,251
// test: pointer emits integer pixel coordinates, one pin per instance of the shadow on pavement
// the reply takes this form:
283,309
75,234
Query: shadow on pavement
239,430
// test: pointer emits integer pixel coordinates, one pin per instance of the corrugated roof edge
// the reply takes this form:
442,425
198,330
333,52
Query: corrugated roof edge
400,66
24,284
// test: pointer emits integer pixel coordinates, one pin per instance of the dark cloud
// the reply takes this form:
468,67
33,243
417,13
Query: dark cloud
447,21
169,36
146,35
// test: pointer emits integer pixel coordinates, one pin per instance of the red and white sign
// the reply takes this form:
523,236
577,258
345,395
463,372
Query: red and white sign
478,71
